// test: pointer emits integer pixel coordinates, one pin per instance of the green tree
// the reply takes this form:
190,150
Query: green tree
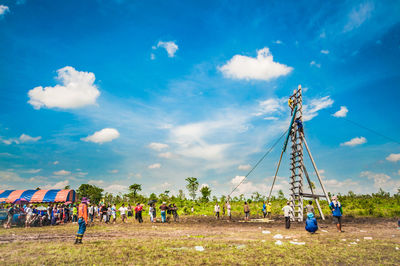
134,189
153,196
181,195
67,187
281,196
92,192
205,193
192,186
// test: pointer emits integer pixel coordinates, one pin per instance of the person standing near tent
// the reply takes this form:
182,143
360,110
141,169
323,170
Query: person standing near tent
82,220
337,212
287,210
10,215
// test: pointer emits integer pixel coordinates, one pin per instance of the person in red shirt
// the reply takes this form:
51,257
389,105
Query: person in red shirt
138,213
82,219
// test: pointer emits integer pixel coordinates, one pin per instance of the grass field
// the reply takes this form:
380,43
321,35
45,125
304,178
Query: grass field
224,242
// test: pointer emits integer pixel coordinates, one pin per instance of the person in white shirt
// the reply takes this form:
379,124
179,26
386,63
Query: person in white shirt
228,207
29,215
114,213
123,211
287,210
91,213
216,210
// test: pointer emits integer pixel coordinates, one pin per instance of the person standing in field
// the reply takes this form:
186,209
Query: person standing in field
122,211
163,209
151,211
138,212
223,209
91,213
10,215
228,208
74,214
82,220
216,210
269,210
114,213
264,209
287,210
337,212
310,208
246,209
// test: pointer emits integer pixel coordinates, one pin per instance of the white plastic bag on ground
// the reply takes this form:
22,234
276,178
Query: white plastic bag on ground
278,243
353,243
266,232
297,243
322,230
367,238
278,236
240,246
199,248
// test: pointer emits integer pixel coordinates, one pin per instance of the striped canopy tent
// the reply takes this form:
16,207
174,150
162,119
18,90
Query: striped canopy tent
39,196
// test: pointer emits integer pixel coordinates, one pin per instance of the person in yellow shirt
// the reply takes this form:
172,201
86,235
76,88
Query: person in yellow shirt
82,219
269,208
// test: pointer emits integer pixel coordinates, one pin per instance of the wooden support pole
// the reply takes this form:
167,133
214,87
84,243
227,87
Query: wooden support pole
312,192
315,168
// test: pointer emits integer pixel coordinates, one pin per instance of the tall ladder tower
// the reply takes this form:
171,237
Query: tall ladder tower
296,155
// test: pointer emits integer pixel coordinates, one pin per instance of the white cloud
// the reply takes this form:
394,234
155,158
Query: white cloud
96,182
10,176
247,187
26,138
33,171
380,180
354,142
273,118
313,63
62,172
394,157
76,90
324,51
154,166
244,167
170,47
152,56
3,10
342,112
59,185
311,109
278,42
270,106
262,67
158,146
358,16
104,135
116,188
114,171
56,162
166,155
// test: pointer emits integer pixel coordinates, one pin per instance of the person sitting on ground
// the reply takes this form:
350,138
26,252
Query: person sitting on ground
287,210
246,209
123,211
310,208
311,223
337,212
163,209
216,210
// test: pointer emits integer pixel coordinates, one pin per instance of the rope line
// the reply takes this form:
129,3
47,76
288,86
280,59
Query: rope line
259,161
371,130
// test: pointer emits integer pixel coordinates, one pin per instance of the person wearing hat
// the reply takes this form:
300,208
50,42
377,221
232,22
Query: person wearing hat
337,212
82,220
311,223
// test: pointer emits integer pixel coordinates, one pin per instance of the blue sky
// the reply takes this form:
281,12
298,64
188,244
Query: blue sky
113,93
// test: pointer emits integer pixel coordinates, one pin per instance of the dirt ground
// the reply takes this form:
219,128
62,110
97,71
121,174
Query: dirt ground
365,241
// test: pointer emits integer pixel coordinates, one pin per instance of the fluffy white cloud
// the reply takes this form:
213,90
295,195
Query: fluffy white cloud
114,171
116,188
170,47
380,179
324,51
154,166
33,171
62,172
104,135
278,42
96,182
56,162
76,90
59,185
394,157
311,109
313,63
3,10
26,138
247,187
358,16
262,67
166,155
244,167
354,142
342,112
270,106
158,146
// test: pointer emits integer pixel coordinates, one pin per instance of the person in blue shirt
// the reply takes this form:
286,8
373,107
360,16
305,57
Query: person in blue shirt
337,212
264,209
311,223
